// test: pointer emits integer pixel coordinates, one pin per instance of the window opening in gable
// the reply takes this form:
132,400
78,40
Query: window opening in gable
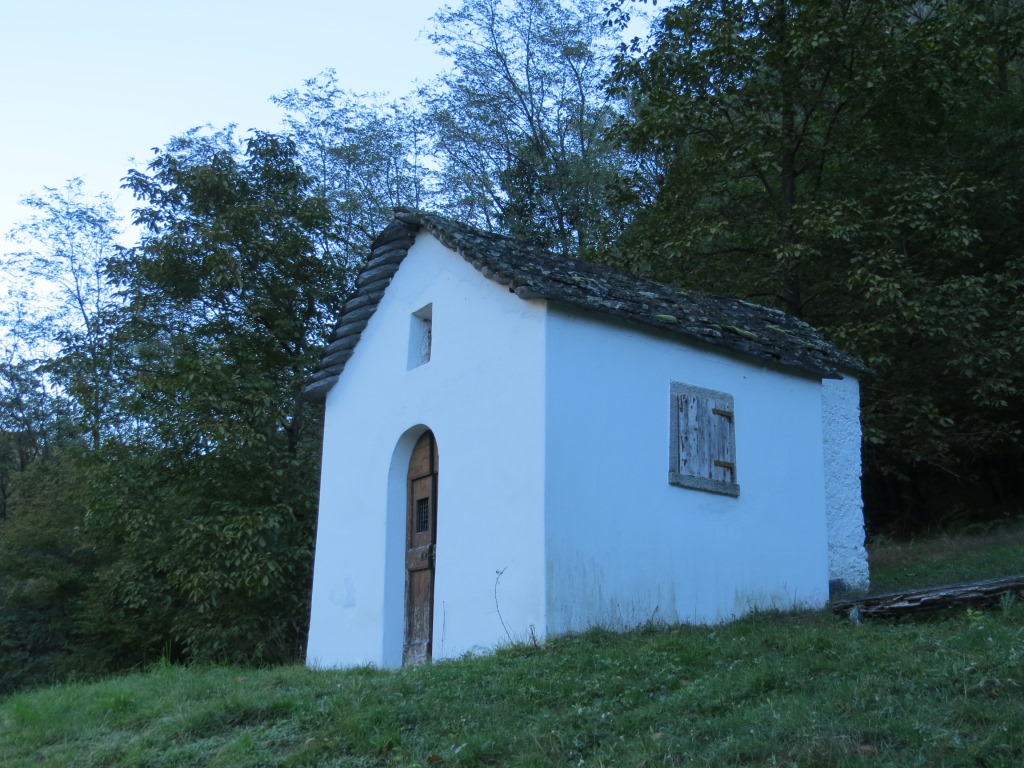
420,336
702,452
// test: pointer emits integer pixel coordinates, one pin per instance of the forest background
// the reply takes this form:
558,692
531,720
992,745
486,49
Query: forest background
857,163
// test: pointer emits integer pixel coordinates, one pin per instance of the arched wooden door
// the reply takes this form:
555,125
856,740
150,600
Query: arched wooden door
421,539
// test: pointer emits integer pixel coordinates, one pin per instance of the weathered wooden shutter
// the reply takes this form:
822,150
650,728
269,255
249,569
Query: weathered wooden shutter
721,440
704,450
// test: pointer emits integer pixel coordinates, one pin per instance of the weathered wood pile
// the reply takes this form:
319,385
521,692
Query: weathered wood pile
974,593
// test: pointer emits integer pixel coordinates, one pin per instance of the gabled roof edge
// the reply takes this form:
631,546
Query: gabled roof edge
387,252
741,327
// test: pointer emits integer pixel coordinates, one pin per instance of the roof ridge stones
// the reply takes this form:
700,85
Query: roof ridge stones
530,272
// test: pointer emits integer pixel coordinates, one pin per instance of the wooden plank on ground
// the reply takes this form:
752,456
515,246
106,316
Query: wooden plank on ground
892,604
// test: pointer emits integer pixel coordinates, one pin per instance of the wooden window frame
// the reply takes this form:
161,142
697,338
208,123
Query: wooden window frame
698,460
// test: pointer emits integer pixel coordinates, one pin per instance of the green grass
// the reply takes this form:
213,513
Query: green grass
947,559
804,689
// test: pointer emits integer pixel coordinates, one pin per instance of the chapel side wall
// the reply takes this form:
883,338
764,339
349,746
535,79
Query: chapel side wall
840,413
624,546
482,395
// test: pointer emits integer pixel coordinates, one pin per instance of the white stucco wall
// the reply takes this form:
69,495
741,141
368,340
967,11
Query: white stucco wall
840,413
623,545
482,394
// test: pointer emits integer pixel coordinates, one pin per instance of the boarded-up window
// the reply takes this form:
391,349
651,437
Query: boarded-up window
702,453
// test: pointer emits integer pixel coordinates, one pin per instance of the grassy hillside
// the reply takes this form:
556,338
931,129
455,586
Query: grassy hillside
773,689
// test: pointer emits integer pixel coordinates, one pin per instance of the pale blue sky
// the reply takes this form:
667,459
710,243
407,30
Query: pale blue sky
86,85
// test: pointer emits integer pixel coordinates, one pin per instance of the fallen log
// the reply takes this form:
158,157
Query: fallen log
975,593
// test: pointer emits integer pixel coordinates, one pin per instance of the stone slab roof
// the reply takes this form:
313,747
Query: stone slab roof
529,272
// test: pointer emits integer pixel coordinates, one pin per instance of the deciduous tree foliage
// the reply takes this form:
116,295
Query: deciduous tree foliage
57,395
518,122
46,573
365,157
187,531
35,420
227,297
57,304
857,164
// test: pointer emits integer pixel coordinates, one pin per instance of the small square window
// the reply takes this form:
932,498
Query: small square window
702,452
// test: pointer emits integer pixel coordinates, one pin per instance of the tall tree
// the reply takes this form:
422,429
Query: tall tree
851,162
209,508
365,157
59,299
519,119
57,395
